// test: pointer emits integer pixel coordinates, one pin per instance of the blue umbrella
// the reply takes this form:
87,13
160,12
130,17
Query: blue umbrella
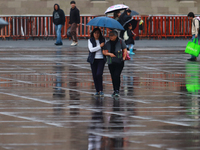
3,23
105,22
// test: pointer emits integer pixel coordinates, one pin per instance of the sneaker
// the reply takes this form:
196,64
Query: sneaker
96,94
117,93
57,44
192,59
101,94
73,43
113,94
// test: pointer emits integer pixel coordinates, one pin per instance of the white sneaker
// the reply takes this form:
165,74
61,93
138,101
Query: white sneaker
73,43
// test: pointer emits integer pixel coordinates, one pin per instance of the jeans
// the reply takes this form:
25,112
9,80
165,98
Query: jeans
58,33
193,37
115,71
130,45
97,73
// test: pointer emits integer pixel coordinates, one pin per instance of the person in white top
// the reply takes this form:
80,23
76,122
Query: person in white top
195,31
96,59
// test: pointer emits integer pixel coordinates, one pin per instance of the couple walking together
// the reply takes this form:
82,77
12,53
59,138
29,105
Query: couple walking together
115,50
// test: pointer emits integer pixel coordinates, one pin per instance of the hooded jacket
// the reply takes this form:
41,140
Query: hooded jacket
74,16
123,18
58,16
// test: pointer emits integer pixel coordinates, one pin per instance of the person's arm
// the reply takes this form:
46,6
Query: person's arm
124,50
133,33
130,34
93,49
106,53
78,17
70,18
196,27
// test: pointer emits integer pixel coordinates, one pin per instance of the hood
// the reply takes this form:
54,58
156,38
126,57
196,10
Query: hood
54,7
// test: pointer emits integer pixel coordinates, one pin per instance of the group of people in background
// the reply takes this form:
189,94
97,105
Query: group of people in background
59,21
128,34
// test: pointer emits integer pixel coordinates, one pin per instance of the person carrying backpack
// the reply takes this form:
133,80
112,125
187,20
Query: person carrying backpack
128,37
195,31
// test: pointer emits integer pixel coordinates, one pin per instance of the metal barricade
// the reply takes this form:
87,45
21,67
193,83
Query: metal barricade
42,27
6,31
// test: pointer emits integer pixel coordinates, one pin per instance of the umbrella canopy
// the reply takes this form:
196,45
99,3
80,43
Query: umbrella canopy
3,23
133,13
117,7
133,22
105,22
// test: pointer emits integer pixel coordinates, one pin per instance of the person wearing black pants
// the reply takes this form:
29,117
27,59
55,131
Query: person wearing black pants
115,50
97,73
97,59
115,71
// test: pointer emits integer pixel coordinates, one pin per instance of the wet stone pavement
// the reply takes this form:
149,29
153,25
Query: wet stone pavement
47,102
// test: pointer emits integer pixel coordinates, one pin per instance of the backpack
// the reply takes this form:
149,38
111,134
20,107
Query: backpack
125,35
197,18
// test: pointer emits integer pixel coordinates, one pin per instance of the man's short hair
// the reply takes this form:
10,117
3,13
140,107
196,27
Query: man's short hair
129,11
191,14
72,2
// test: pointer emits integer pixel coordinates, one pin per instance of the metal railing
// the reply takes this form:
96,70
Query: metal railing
157,27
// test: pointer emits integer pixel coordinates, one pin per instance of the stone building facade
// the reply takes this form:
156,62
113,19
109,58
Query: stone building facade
98,7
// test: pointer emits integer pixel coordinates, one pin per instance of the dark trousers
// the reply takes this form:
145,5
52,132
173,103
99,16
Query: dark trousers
97,73
115,71
73,32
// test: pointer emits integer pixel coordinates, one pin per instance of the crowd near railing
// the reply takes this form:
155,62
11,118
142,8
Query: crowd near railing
42,27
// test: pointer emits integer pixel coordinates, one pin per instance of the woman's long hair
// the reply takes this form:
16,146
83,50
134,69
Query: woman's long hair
96,29
116,14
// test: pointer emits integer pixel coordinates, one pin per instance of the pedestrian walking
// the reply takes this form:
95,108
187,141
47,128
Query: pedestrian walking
115,50
96,59
59,21
128,37
195,31
124,17
74,22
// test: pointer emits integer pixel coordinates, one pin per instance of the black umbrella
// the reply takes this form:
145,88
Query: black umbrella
133,22
3,23
133,13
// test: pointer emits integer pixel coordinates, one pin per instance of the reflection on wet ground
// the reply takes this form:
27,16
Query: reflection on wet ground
46,102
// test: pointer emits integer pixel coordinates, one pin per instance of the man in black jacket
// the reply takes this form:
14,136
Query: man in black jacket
59,21
74,22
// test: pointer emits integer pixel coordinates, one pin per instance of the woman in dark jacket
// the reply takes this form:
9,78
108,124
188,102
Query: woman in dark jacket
130,41
115,50
96,59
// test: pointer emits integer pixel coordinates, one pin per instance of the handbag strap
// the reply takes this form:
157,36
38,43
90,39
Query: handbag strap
121,43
